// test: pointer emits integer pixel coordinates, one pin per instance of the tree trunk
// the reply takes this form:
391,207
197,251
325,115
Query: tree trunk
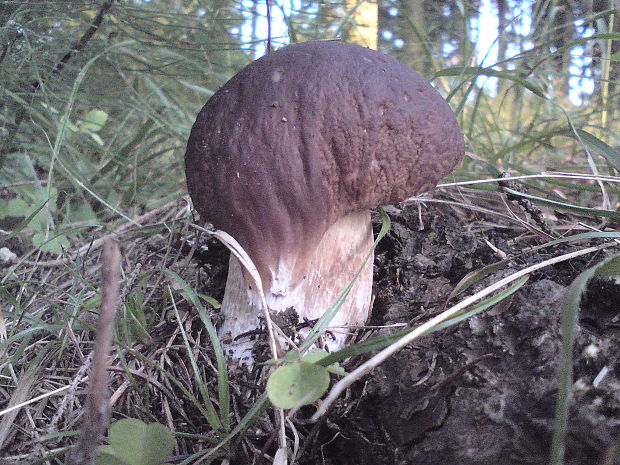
413,20
364,23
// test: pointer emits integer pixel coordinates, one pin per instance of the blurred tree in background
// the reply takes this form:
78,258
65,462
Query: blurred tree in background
98,97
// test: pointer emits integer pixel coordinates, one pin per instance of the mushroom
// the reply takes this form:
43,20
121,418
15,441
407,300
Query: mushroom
289,156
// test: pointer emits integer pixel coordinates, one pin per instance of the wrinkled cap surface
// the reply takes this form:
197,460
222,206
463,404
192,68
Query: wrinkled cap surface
309,133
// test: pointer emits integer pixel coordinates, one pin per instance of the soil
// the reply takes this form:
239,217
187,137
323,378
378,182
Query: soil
480,392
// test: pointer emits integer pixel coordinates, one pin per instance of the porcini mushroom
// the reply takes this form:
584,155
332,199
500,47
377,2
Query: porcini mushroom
289,156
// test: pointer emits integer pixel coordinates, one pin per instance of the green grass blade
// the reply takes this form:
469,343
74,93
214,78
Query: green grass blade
257,409
380,342
477,275
576,209
592,142
570,312
481,71
212,418
222,369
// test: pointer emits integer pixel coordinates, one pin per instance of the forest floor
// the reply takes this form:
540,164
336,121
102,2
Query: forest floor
480,392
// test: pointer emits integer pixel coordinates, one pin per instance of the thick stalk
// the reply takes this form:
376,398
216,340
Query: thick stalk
308,284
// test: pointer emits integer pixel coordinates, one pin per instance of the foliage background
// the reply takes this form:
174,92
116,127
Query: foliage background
94,126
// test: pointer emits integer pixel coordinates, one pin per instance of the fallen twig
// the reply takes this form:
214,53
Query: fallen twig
97,407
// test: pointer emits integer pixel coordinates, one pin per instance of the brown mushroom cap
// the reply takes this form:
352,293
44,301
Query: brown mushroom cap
310,133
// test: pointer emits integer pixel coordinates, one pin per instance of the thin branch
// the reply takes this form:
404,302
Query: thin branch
268,26
80,43
59,66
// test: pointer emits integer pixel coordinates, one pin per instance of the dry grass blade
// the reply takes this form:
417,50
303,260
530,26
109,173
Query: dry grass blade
17,400
543,175
245,260
97,407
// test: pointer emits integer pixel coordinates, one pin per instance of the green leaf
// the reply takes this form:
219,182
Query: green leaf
96,138
593,143
107,457
53,244
297,384
133,442
292,356
72,127
315,355
31,207
17,208
80,211
93,121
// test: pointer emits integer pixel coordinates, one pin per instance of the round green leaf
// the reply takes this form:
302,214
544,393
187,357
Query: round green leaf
316,355
134,442
297,384
14,208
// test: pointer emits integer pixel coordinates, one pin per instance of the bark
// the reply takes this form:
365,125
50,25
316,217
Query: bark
364,24
414,27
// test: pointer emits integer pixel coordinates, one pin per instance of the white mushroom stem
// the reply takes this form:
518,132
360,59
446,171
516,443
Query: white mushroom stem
309,287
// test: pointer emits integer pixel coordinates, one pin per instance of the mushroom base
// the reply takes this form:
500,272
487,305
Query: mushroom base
307,284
